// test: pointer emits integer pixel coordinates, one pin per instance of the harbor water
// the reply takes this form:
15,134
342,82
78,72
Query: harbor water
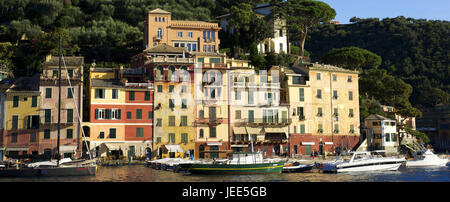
141,173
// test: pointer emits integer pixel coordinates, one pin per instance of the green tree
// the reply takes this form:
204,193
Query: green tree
301,15
388,90
352,58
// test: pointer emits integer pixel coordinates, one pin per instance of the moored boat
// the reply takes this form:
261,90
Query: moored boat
427,158
240,163
297,167
363,161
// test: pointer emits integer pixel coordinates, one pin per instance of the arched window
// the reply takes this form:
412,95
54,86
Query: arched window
159,33
170,73
159,73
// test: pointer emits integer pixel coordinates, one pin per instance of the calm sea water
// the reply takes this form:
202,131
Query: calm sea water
140,173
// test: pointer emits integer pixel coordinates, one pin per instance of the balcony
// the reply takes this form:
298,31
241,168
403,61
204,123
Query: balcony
157,38
168,60
214,65
262,121
139,85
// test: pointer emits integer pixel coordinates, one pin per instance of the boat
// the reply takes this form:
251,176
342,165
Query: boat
238,163
297,167
54,168
426,158
363,161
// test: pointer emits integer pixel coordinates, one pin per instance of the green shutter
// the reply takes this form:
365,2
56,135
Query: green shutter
34,101
302,128
16,101
69,115
138,113
48,115
147,96
212,132
69,134
15,122
131,95
69,93
150,114
48,93
139,132
302,94
96,114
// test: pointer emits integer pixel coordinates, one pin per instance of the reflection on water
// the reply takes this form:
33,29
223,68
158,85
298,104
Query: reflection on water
145,174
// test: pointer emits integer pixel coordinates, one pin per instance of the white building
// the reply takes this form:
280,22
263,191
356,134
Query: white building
277,43
381,133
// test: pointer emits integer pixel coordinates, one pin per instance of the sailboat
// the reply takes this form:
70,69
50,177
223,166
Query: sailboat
60,167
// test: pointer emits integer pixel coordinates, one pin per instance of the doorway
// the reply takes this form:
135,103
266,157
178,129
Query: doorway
308,150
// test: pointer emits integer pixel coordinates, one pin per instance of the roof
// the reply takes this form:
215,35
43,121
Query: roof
294,70
102,69
106,83
164,48
69,61
376,117
26,84
159,11
323,67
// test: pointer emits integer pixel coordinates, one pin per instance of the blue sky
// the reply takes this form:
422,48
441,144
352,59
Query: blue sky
418,9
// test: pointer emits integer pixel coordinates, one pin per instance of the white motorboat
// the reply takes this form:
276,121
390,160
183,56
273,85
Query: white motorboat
427,158
363,161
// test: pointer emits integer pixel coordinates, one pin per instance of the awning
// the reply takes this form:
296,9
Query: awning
214,143
174,148
330,143
253,131
17,149
67,148
239,145
274,130
239,130
114,145
308,143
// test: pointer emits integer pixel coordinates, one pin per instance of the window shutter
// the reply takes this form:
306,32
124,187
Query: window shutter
96,114
119,114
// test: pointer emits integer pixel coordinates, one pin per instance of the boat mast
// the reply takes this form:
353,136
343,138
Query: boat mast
59,102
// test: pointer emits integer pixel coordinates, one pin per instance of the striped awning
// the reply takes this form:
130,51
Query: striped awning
274,130
239,131
253,131
114,145
67,148
17,148
214,143
308,143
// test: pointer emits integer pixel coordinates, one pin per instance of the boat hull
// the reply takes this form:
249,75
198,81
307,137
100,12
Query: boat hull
261,168
49,172
421,163
384,167
297,169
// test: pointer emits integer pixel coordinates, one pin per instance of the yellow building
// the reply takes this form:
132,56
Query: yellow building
258,115
324,104
195,36
171,69
20,117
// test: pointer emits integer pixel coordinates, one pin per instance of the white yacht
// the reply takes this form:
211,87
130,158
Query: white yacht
363,161
427,158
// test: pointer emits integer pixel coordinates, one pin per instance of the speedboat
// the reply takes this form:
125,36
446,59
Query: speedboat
427,158
297,167
363,161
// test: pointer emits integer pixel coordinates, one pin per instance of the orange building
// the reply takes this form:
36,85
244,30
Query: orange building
196,36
